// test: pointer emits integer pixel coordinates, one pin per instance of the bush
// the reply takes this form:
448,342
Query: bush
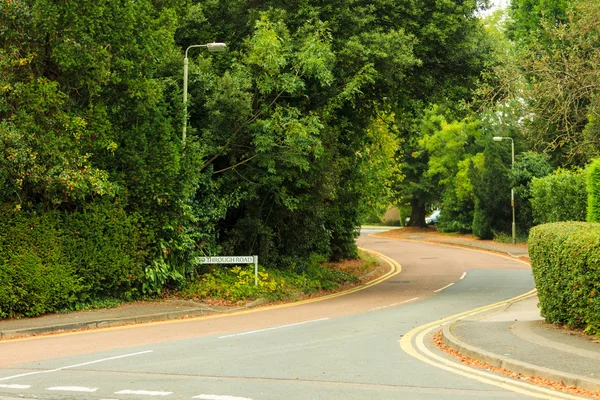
54,260
569,205
482,227
36,276
593,191
565,258
103,244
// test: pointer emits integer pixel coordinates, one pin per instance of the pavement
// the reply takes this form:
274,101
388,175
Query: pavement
514,337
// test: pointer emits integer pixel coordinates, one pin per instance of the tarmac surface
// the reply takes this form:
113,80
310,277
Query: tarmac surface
514,337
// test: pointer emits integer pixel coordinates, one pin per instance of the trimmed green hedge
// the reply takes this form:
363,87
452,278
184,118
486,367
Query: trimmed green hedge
565,258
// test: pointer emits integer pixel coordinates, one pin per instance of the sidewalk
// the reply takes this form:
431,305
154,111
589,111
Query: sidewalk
514,337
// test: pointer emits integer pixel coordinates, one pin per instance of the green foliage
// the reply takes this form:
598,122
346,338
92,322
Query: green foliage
104,244
457,215
570,205
236,284
565,258
528,166
593,191
527,16
492,191
53,260
482,224
555,68
36,275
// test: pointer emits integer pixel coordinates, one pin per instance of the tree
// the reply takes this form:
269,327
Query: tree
454,49
452,148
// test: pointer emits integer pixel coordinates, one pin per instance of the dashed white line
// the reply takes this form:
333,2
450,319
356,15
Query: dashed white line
15,386
75,366
270,329
72,389
216,397
445,287
144,392
393,305
463,276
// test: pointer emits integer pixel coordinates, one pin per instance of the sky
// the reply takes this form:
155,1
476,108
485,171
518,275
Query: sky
496,4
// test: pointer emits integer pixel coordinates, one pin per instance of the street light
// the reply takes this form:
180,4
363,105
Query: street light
512,190
212,48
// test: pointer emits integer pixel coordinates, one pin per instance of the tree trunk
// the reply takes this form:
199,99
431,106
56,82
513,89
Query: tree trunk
417,213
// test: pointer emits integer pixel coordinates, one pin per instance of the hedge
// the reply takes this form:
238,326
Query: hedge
560,196
565,258
51,260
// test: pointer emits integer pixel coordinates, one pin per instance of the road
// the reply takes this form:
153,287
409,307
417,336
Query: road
370,344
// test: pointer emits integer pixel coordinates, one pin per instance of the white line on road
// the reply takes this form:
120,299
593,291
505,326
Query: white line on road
445,287
395,304
463,276
216,397
270,329
14,386
143,392
75,366
73,389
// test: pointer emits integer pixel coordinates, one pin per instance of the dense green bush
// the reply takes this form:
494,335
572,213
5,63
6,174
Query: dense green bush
560,196
103,243
593,191
54,260
35,275
565,258
529,166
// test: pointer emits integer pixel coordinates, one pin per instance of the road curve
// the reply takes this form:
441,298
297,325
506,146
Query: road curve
346,347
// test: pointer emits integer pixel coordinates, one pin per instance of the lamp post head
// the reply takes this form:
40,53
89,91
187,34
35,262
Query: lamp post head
497,138
216,47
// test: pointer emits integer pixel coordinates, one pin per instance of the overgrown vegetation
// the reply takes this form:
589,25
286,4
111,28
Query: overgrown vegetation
236,284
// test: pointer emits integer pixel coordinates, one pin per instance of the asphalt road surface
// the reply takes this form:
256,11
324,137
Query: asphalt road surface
370,344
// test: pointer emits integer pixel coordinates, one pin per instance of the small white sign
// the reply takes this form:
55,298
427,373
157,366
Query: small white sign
227,260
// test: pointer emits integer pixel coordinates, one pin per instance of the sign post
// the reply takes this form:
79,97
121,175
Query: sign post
233,260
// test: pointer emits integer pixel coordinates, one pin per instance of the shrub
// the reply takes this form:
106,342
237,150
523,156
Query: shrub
103,244
560,196
36,276
565,258
54,260
482,227
593,191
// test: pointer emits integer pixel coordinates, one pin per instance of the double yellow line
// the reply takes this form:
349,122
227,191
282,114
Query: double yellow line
421,352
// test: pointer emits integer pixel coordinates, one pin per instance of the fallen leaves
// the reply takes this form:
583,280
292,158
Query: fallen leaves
438,341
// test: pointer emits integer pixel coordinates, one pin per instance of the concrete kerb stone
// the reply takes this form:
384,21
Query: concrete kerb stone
105,323
516,366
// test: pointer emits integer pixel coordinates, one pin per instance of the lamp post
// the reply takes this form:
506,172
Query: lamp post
512,190
211,47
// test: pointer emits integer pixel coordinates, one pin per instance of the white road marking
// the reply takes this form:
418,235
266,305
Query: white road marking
393,305
216,397
14,386
76,365
270,329
463,276
72,389
144,392
445,287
